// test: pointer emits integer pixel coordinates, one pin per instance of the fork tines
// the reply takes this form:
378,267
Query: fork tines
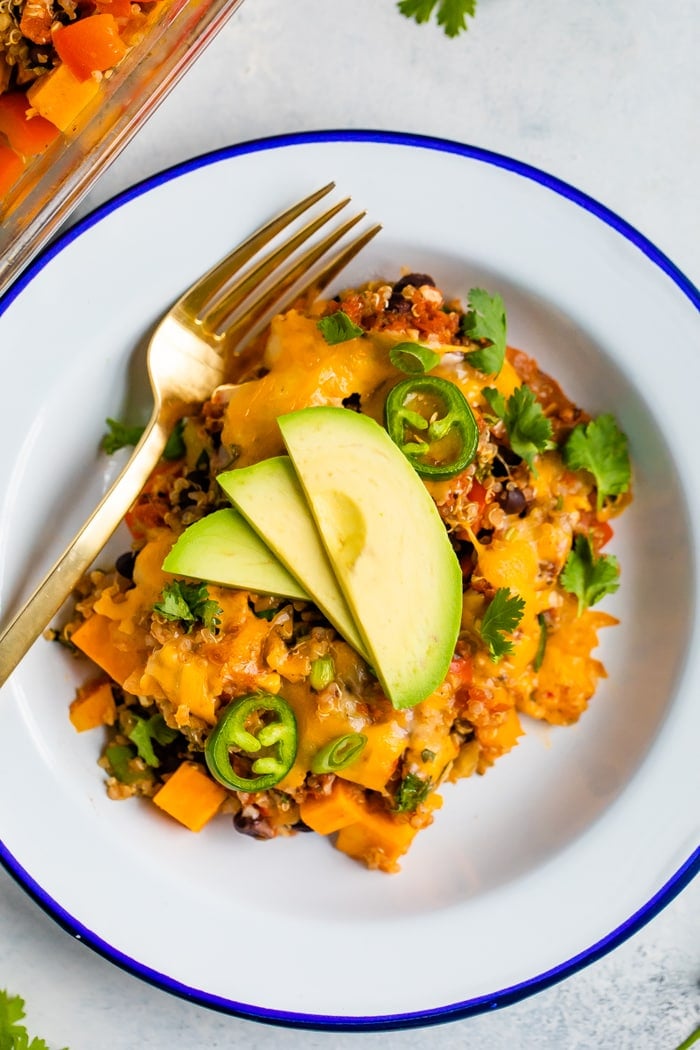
241,294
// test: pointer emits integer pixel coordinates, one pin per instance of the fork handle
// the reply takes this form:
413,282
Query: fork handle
57,585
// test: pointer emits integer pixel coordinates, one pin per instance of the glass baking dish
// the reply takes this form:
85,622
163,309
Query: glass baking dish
53,183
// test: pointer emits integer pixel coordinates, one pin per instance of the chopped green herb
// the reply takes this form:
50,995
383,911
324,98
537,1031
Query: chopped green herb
413,359
145,731
190,603
322,672
542,643
13,1035
588,577
501,618
338,328
412,791
120,435
175,445
451,14
427,755
529,431
485,319
600,447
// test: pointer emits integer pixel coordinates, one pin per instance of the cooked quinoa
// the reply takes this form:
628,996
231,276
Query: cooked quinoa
513,520
26,50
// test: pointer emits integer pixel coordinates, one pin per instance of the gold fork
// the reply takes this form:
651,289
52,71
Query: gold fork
186,361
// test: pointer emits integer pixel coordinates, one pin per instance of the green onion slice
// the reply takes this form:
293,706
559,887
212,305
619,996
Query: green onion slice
322,673
413,359
339,753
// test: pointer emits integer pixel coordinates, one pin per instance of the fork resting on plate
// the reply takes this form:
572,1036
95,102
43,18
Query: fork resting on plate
186,361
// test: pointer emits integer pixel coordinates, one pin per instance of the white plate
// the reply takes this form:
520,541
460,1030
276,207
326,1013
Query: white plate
569,843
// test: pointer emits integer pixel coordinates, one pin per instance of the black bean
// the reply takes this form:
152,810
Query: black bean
415,279
503,461
397,303
512,500
125,564
256,827
353,401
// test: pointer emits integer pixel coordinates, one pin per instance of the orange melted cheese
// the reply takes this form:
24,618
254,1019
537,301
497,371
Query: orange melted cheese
303,371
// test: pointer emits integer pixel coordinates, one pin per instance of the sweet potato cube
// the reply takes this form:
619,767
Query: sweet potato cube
190,796
377,762
94,706
59,96
331,812
94,638
377,839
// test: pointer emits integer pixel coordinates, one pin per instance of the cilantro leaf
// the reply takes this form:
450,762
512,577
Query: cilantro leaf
496,400
175,445
338,328
412,791
190,603
120,435
501,618
485,319
145,731
13,1035
600,447
529,431
451,14
588,577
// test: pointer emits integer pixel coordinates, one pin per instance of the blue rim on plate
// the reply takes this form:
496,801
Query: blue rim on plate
480,1004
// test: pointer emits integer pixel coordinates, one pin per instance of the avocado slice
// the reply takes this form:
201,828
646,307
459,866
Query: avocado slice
386,542
269,496
222,548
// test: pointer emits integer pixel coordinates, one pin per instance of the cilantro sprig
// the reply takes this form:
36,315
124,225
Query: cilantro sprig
451,14
123,435
589,577
13,1035
600,447
190,603
500,619
485,319
338,328
412,791
120,435
529,431
146,731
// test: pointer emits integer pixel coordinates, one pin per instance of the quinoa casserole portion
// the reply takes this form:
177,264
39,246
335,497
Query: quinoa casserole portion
175,658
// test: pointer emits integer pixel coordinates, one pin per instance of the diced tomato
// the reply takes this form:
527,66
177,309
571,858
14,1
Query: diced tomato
602,534
11,167
28,136
462,670
89,45
149,510
477,493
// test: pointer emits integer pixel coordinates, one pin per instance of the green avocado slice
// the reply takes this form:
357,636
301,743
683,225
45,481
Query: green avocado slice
222,548
269,496
386,542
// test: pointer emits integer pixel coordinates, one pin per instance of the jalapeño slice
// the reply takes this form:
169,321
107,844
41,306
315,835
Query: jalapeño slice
254,743
430,420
